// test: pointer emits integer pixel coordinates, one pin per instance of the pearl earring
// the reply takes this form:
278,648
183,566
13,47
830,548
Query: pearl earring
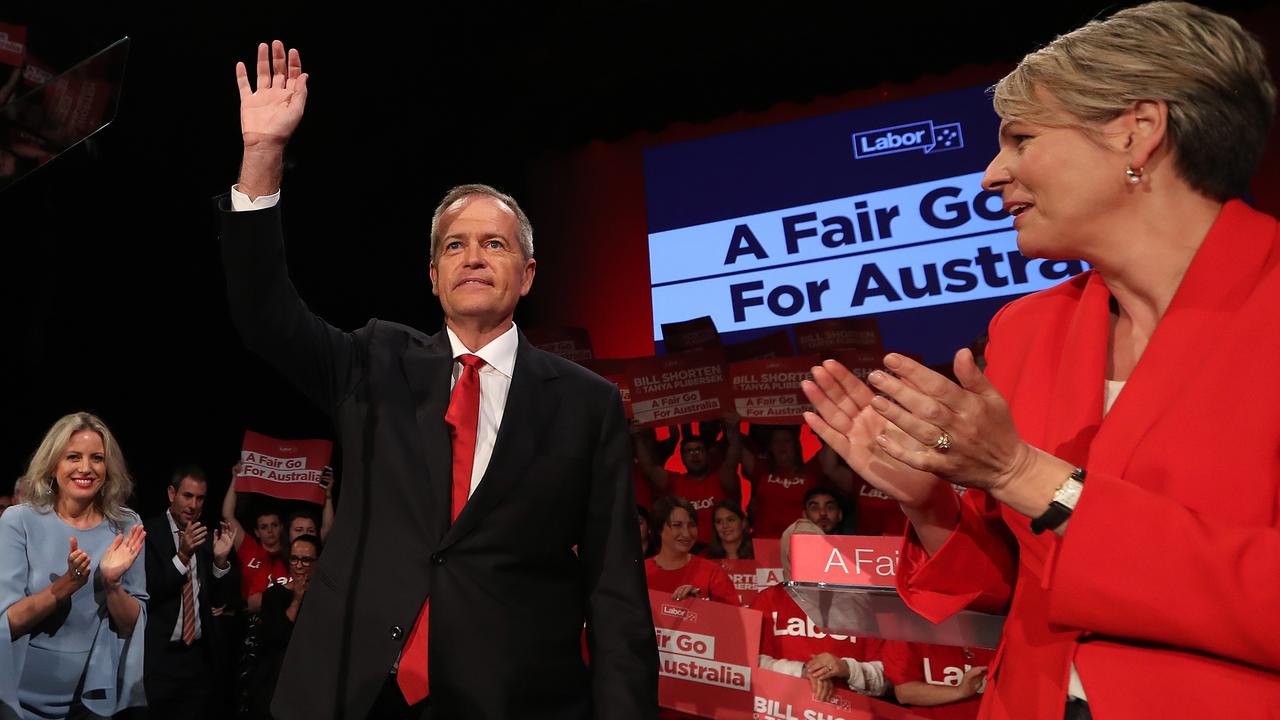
1133,175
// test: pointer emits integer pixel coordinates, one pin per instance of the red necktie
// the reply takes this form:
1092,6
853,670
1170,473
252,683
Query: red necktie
463,417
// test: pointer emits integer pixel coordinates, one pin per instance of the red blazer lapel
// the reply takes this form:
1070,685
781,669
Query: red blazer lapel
1221,277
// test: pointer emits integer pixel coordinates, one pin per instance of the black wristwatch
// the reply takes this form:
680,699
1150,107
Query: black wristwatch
1064,501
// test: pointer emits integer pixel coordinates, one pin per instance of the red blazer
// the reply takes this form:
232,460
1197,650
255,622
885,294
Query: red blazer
1166,586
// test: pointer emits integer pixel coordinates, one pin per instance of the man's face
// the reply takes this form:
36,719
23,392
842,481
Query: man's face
187,501
694,455
824,511
480,272
267,531
301,526
782,445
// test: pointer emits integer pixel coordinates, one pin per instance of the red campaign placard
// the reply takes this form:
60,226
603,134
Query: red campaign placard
75,107
689,335
845,559
707,652
767,392
776,696
859,361
773,345
742,573
681,388
819,336
615,371
285,469
36,73
570,343
13,44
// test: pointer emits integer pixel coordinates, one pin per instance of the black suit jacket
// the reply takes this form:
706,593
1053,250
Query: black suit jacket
509,593
164,586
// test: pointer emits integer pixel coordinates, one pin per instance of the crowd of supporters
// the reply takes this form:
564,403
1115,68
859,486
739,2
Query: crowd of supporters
694,517
223,596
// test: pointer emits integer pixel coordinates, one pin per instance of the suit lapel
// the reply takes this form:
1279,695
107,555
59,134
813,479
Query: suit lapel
1221,277
429,371
1075,402
530,403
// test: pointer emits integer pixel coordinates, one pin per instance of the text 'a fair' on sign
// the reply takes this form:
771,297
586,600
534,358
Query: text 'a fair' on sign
680,388
866,560
285,469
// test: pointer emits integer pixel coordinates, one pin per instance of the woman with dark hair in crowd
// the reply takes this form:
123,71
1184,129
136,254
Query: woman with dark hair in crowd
1121,448
674,568
731,539
280,605
73,589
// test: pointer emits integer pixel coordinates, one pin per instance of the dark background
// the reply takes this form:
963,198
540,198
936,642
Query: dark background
111,279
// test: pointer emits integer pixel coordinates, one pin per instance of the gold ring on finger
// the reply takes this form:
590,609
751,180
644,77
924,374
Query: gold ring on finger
943,442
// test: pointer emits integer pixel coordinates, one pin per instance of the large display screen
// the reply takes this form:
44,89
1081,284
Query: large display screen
876,211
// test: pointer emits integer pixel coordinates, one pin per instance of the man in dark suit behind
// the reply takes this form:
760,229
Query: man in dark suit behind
536,471
186,572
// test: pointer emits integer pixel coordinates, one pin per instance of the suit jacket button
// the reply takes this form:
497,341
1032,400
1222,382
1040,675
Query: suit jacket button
437,559
397,632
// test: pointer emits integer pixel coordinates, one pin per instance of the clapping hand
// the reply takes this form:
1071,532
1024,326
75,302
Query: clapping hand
119,557
77,566
224,539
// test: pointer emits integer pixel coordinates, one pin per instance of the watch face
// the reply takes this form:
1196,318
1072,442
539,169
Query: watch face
1069,493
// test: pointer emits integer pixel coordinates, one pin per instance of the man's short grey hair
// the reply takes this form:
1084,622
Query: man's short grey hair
524,231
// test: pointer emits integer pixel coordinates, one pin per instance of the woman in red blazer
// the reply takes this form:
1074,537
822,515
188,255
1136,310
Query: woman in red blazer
1124,446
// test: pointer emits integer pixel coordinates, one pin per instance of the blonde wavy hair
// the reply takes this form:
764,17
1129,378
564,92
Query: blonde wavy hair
39,488
1210,72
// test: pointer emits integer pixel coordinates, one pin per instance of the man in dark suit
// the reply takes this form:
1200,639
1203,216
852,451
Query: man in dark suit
488,511
185,575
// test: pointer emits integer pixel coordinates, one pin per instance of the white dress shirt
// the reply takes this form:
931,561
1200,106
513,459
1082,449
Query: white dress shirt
495,381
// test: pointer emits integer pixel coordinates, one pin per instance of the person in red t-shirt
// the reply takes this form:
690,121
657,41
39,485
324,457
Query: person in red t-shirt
938,681
701,484
261,552
674,568
778,484
875,513
260,562
790,643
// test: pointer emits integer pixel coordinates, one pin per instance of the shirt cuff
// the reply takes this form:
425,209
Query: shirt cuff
241,202
182,567
218,572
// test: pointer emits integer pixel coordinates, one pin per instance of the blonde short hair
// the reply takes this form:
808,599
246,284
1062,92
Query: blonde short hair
524,231
1210,72
40,489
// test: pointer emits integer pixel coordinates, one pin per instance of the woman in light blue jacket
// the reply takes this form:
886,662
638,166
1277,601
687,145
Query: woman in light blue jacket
72,583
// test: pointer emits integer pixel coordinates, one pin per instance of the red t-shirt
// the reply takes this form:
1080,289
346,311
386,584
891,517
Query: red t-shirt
710,579
877,513
704,494
936,665
777,499
786,633
258,569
